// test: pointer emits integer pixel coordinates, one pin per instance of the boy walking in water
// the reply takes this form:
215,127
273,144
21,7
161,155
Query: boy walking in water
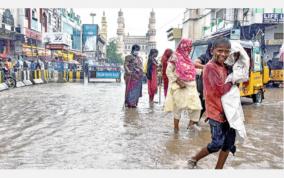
214,76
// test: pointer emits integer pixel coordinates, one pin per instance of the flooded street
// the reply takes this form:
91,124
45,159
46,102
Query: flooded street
73,125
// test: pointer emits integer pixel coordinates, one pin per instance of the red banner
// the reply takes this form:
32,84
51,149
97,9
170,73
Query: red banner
56,46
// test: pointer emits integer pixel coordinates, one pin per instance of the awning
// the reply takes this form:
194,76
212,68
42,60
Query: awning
73,62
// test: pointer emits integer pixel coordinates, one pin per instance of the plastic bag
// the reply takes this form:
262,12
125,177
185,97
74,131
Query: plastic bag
241,66
231,103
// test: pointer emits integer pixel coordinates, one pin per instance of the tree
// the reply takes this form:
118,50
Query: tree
112,54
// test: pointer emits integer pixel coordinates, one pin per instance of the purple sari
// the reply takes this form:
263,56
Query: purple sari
133,79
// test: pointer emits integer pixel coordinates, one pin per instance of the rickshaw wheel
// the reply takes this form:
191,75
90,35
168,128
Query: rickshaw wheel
257,98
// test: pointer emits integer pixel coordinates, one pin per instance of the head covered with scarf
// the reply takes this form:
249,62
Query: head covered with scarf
151,60
167,54
185,69
207,55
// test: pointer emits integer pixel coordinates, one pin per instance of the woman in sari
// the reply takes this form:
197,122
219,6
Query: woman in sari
167,54
152,74
182,94
133,77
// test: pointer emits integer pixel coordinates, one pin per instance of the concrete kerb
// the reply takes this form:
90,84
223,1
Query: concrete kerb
19,79
37,77
26,77
3,86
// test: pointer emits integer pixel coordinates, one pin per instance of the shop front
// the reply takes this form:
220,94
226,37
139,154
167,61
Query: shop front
33,45
8,35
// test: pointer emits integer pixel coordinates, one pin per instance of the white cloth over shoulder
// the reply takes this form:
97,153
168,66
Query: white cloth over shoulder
241,66
231,103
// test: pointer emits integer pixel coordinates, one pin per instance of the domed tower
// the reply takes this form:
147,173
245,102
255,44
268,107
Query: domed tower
120,32
151,34
104,26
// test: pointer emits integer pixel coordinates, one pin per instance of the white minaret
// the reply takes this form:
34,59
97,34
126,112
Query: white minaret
120,33
103,32
151,34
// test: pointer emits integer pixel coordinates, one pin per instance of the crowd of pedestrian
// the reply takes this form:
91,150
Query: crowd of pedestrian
185,91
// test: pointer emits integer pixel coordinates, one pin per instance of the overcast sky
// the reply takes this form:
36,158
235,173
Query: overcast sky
136,21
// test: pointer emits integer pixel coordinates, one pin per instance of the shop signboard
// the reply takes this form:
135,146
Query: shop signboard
33,34
273,18
108,74
18,47
57,46
57,38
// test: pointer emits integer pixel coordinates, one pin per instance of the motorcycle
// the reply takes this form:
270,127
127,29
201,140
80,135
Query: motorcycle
8,79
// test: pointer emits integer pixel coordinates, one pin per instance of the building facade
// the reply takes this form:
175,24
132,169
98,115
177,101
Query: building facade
71,24
264,25
11,37
31,31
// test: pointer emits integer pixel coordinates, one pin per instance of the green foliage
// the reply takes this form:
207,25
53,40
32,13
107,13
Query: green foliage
112,54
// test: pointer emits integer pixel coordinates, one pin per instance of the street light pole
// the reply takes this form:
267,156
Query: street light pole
92,15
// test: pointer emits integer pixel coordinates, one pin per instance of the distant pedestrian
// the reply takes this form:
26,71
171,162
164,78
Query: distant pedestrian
151,74
199,63
167,54
214,76
182,94
38,66
133,77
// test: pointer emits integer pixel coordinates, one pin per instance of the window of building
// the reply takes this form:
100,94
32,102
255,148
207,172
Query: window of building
213,14
259,10
278,10
197,11
278,36
221,14
27,12
44,21
34,14
49,18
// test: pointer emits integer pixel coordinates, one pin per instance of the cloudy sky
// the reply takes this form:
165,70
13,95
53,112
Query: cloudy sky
136,21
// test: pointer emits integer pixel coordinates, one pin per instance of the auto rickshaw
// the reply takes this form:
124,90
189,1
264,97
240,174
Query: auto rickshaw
258,72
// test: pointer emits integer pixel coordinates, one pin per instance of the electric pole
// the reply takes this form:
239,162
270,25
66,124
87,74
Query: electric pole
92,15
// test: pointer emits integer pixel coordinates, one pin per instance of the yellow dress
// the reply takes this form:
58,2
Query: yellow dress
180,98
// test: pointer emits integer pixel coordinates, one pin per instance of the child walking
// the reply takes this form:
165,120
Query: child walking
214,76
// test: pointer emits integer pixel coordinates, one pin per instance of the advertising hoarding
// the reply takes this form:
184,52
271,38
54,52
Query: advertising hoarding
57,38
89,37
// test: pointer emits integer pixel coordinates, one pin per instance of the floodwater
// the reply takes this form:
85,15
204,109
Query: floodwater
75,125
